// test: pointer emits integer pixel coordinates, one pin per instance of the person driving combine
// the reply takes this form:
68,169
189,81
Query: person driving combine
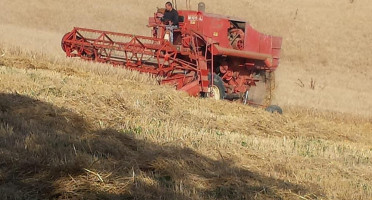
170,19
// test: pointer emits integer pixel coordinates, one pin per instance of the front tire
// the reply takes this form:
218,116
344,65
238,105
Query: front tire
218,90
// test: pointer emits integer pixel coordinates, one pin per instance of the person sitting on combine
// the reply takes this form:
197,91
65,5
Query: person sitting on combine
170,19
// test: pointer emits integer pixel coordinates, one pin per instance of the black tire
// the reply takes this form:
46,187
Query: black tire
218,82
274,109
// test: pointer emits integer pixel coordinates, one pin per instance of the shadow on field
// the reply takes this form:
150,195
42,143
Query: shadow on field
48,152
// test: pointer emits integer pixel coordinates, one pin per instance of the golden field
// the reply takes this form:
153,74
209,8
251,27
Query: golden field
76,130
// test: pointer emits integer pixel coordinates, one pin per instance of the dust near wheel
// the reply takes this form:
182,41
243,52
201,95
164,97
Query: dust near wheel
262,93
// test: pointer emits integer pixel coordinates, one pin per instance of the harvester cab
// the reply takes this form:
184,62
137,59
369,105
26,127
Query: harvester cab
211,55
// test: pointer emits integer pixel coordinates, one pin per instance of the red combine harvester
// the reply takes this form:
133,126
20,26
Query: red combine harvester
211,55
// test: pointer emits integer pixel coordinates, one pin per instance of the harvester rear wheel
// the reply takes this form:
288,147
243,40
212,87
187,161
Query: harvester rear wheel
218,89
274,109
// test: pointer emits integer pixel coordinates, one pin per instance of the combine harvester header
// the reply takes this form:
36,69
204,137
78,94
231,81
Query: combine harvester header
211,55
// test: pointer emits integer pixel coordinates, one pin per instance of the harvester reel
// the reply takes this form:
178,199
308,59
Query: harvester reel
65,46
166,55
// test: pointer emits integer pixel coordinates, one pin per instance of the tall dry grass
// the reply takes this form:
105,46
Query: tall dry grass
75,130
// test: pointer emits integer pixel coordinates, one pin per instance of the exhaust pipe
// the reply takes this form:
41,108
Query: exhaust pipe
201,7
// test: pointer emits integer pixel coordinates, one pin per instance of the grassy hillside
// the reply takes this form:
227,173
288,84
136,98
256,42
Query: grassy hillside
77,130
